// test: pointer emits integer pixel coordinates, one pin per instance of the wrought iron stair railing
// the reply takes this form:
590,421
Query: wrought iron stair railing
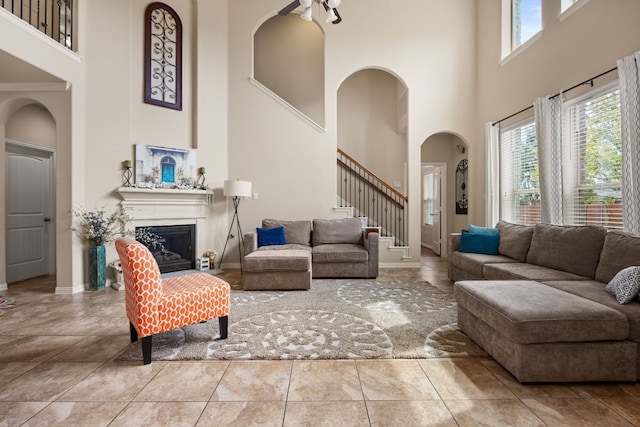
52,17
371,197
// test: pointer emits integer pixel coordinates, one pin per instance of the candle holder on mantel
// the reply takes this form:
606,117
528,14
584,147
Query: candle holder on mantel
127,174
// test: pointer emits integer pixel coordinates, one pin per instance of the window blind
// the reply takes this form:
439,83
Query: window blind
519,177
595,168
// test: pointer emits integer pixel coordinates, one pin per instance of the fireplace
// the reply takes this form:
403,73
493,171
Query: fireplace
178,246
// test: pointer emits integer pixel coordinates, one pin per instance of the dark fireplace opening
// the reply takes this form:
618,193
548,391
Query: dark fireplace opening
176,251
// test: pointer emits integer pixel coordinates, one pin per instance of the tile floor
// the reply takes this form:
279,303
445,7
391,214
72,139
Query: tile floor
57,368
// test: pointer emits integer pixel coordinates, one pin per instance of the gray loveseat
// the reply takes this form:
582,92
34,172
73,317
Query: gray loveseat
311,249
540,306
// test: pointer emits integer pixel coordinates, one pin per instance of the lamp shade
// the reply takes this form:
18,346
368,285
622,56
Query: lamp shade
236,188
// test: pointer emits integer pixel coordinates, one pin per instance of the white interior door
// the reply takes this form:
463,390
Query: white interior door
432,203
29,201
437,210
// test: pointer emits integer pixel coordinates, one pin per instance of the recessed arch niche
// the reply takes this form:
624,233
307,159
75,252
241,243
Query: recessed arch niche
289,60
372,114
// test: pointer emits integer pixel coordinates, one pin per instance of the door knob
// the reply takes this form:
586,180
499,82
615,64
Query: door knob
47,219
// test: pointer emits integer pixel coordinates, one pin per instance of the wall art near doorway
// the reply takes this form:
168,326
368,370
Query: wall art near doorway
462,200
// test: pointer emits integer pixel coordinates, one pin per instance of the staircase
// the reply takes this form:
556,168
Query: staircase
369,196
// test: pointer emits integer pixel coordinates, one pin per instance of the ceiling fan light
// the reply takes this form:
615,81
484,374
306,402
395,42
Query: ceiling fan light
333,3
331,16
306,15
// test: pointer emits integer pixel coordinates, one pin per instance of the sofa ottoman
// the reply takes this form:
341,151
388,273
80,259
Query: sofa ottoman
277,270
543,334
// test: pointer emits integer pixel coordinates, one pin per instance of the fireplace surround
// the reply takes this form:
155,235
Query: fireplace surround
177,250
172,211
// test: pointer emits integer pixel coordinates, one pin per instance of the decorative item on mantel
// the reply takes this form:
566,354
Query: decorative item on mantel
99,229
127,174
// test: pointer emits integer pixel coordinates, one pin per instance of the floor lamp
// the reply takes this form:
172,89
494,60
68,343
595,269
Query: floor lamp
238,190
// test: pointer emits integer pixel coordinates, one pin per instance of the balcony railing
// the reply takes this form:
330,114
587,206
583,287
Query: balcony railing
52,17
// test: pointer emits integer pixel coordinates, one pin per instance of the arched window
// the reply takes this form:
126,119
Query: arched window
162,56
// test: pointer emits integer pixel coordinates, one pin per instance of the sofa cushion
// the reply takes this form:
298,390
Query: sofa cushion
329,231
282,260
625,285
515,240
594,291
575,249
342,252
483,230
285,247
528,312
270,236
519,270
295,232
473,263
479,243
620,250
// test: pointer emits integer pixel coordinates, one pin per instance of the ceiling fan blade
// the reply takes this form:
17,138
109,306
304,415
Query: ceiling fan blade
339,20
289,8
326,8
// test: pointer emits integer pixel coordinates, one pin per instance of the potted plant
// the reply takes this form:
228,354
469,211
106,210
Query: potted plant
97,228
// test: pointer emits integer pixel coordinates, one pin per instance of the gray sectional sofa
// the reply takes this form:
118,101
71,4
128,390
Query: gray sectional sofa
311,249
540,306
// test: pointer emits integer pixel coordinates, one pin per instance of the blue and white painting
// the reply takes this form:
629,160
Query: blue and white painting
165,167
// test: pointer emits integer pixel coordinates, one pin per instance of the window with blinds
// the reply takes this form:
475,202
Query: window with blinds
593,173
519,177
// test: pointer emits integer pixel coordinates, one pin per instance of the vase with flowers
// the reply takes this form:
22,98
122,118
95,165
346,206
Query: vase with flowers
98,228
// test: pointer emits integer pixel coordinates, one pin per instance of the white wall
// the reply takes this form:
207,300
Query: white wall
32,124
291,164
109,117
289,60
238,130
368,124
584,44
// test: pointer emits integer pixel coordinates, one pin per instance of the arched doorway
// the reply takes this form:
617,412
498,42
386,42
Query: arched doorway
30,232
444,152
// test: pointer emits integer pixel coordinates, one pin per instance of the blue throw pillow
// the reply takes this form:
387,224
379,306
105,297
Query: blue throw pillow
479,243
270,236
483,230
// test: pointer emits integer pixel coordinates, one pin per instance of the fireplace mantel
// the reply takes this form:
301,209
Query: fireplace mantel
162,203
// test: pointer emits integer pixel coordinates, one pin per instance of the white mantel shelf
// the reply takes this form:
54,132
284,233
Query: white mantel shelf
164,203
165,194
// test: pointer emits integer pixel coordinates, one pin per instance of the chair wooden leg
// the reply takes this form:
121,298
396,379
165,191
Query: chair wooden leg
133,332
224,326
146,349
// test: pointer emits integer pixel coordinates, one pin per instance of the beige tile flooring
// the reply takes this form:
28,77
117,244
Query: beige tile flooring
57,368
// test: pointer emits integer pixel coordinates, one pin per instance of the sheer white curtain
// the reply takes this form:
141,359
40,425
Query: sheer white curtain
492,214
548,116
629,75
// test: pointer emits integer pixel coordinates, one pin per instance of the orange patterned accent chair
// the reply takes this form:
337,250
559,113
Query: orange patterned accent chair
156,305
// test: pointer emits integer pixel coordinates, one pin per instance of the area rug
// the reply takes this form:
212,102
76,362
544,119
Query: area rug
335,319
5,304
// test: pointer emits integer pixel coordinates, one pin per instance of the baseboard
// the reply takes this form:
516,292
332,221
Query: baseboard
68,290
3,287
399,265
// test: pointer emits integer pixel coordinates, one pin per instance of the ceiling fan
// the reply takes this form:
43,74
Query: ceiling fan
329,6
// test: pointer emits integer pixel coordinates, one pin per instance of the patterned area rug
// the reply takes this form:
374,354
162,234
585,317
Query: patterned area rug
335,319
5,304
